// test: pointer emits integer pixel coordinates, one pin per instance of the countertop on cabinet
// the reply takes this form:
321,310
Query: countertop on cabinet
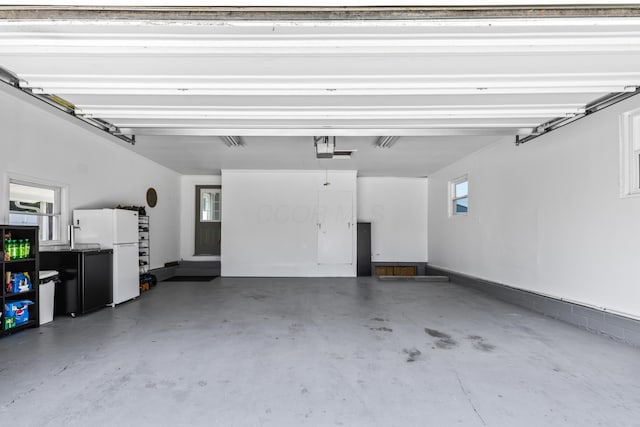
85,247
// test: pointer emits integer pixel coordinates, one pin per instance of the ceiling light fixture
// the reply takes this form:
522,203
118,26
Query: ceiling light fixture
386,141
232,141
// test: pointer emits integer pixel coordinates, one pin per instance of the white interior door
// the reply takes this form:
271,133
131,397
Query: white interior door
335,227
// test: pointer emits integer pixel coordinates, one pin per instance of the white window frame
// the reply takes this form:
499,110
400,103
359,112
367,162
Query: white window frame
630,153
63,201
452,195
219,211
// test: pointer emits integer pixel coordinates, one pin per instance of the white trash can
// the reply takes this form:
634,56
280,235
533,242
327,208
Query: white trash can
48,279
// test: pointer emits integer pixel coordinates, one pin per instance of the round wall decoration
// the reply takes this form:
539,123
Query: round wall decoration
152,197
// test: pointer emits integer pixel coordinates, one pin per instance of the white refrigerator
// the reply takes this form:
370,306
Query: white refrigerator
115,229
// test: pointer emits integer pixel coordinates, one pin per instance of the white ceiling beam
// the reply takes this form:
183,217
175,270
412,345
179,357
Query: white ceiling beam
290,131
338,116
332,84
368,35
57,78
339,112
293,108
347,82
329,91
622,45
125,44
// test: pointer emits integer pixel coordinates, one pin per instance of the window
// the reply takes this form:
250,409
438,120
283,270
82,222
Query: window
459,191
210,205
630,153
34,204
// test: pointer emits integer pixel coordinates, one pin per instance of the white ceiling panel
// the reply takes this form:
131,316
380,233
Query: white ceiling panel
446,87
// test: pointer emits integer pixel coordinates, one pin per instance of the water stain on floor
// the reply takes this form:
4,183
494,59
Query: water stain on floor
480,344
444,340
382,329
412,354
379,319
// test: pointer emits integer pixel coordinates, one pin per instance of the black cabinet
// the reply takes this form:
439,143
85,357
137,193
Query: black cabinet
364,249
19,263
86,279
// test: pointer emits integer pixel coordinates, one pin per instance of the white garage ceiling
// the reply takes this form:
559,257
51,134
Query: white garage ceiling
447,87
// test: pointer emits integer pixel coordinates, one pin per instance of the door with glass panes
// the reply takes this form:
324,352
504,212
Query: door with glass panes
208,219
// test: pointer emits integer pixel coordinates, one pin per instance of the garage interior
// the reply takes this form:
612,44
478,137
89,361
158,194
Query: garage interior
493,153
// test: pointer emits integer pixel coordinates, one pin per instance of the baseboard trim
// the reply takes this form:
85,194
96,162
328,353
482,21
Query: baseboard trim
619,328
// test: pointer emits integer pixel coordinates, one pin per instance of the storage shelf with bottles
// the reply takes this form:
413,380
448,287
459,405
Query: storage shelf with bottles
143,244
20,282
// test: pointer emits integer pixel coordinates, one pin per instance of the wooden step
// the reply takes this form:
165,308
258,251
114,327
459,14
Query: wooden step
417,278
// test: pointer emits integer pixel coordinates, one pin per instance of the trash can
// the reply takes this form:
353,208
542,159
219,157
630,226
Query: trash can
48,279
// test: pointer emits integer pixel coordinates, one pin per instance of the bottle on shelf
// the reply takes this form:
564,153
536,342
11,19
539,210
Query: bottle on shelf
13,249
27,248
21,249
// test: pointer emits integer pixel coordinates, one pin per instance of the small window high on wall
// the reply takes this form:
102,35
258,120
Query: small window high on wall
34,204
459,195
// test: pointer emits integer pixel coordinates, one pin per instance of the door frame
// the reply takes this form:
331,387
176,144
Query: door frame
197,215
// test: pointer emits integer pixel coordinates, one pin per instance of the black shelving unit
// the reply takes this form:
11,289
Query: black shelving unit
29,265
143,244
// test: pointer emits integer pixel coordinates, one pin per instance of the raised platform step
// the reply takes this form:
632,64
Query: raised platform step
199,264
183,271
198,268
417,278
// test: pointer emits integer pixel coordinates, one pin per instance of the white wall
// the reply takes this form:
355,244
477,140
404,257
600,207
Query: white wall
269,222
397,210
39,142
188,214
546,216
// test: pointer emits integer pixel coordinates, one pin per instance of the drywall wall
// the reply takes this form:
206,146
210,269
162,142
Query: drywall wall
43,144
546,216
188,214
397,211
270,222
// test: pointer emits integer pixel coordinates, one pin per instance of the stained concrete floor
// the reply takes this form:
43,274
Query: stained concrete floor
316,352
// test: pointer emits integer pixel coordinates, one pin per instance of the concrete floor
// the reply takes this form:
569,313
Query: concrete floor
317,352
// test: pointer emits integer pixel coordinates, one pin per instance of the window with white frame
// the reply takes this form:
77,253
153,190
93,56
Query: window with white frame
630,153
210,204
459,195
35,204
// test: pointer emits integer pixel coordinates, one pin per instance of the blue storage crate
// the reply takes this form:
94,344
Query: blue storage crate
18,311
20,282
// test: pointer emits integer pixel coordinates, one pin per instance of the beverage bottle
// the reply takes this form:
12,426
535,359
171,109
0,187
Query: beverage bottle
13,249
20,248
27,248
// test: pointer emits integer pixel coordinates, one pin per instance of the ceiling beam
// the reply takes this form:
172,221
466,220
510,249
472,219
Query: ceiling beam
316,13
334,45
328,91
347,131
